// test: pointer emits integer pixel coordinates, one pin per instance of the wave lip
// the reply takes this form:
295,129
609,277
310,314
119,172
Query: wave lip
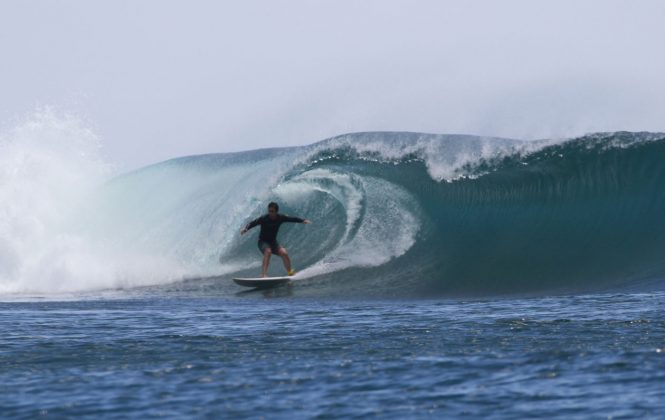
447,157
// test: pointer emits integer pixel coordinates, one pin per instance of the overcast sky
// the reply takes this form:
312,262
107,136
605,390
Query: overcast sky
158,79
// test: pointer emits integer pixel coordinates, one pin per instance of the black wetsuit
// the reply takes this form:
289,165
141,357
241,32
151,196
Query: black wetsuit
269,229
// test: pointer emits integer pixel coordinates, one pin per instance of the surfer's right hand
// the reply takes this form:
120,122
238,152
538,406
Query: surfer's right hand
243,231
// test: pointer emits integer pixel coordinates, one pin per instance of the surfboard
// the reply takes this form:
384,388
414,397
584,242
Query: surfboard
261,282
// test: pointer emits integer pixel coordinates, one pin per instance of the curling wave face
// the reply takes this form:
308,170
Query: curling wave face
398,214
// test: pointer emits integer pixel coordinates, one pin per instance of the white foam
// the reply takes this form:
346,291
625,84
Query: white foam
50,168
47,164
447,157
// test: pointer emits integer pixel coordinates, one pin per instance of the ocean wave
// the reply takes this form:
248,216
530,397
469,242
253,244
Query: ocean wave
399,214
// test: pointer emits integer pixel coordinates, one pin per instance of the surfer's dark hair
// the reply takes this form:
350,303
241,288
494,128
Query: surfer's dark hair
273,205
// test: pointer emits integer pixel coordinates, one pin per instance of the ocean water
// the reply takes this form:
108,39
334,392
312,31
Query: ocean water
276,356
443,275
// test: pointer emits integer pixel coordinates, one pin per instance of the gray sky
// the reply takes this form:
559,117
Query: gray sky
158,79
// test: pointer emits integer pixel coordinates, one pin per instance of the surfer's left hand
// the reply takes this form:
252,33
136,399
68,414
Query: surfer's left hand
306,221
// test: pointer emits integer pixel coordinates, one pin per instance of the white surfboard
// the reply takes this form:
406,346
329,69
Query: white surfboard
261,282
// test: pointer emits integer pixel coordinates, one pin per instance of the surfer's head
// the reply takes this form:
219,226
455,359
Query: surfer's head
273,208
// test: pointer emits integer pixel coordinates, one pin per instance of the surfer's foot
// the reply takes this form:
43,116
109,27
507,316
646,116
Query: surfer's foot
292,272
263,275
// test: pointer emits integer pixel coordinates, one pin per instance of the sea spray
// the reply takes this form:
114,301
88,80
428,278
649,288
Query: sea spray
48,166
50,170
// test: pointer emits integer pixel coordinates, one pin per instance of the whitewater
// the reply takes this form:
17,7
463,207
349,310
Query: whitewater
395,214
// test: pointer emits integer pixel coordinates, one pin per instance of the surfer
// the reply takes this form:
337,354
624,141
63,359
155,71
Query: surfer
268,244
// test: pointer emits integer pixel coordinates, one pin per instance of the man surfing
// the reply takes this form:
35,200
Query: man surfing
268,244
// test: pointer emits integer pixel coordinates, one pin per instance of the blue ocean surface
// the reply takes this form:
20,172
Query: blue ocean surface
442,276
262,355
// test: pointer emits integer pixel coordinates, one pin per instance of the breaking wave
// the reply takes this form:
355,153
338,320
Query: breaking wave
395,214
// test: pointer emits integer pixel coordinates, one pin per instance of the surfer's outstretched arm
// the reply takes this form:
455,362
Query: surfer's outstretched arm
295,220
250,225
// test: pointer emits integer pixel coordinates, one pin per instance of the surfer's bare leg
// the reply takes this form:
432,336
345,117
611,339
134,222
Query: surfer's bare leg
266,262
285,258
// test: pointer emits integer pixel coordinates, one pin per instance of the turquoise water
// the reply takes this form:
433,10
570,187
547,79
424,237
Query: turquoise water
254,355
